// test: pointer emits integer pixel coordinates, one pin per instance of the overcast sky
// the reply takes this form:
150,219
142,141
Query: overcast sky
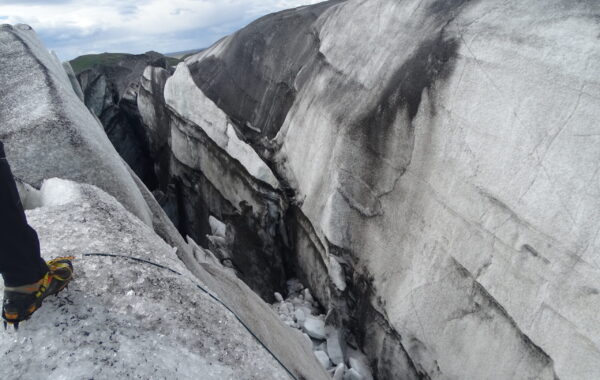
76,27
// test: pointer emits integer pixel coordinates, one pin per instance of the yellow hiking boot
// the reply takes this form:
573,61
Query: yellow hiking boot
21,302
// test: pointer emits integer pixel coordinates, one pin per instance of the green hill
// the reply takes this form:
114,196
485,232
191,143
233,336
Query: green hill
87,61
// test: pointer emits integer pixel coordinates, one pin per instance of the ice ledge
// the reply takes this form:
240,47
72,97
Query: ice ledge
185,98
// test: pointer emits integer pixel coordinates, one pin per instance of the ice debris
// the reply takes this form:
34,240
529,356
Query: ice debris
314,327
299,310
323,359
339,371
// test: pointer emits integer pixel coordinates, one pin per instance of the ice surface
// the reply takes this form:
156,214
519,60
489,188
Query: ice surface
121,318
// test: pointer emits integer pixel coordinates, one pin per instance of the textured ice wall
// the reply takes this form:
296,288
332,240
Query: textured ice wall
446,152
457,160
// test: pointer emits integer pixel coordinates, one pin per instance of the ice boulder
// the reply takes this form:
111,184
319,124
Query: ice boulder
314,327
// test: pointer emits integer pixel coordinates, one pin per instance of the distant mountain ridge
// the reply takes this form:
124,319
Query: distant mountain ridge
88,61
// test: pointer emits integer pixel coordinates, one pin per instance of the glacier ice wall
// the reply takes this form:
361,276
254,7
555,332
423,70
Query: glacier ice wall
445,153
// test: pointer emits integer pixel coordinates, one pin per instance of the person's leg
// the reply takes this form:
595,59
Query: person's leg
20,260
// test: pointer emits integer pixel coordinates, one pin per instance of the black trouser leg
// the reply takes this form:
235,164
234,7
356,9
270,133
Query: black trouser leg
20,260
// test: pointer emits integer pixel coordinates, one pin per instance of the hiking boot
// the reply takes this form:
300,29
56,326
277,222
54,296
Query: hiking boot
21,302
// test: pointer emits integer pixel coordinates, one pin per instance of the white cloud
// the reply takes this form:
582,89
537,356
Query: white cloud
84,26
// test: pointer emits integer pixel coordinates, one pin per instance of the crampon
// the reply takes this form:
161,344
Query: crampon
20,303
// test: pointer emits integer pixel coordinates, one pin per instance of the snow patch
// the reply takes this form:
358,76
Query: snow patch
54,192
57,192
